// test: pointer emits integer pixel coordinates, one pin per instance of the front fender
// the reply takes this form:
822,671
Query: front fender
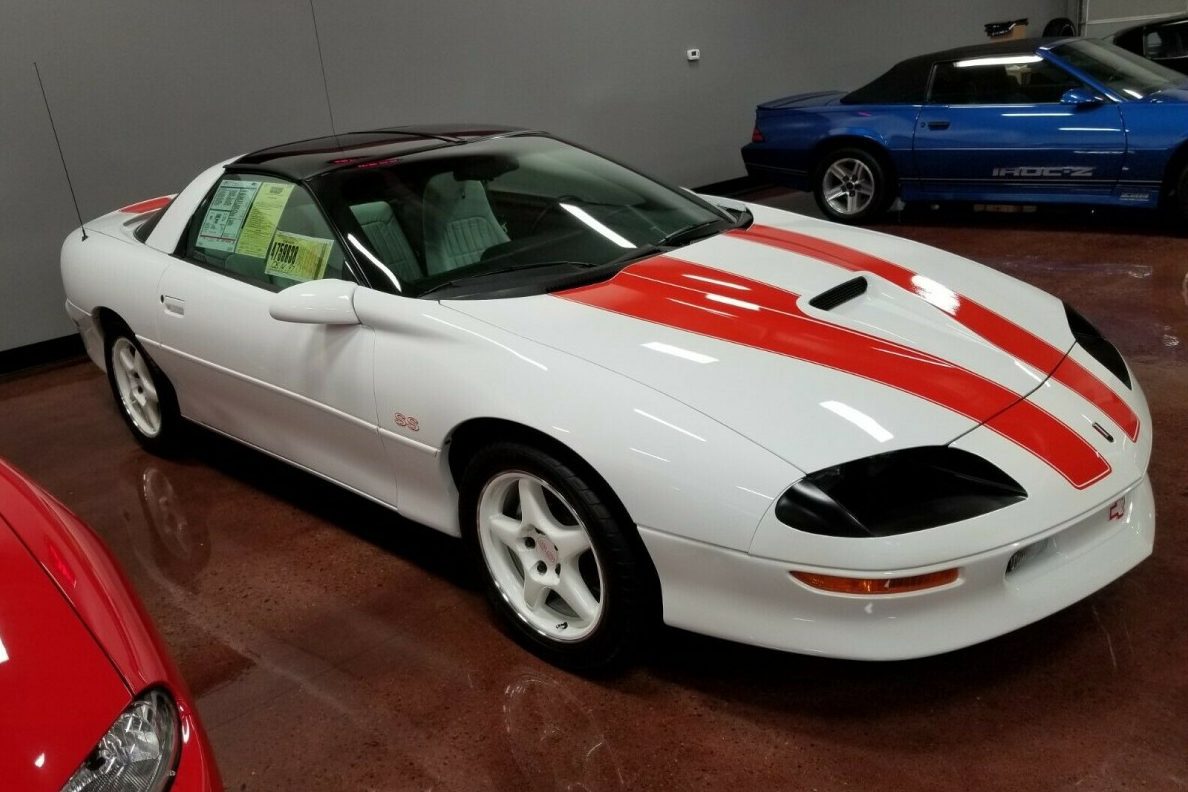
675,469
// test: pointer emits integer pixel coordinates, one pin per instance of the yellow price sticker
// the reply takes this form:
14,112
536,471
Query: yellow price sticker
263,219
297,257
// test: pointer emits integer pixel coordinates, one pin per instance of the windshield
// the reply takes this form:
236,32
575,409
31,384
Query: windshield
513,212
1124,73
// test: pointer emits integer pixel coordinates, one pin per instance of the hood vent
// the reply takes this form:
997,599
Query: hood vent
842,293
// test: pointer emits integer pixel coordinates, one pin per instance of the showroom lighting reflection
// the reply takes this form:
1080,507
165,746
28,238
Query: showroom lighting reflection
653,456
936,294
716,282
357,245
675,351
3,653
731,301
1007,60
585,217
859,419
663,422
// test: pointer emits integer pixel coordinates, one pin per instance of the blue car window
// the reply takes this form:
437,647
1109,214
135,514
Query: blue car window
1016,80
1124,73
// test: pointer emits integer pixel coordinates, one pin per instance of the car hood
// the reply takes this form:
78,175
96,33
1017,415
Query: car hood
60,690
729,327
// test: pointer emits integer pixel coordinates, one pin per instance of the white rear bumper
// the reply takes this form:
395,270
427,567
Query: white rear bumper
733,595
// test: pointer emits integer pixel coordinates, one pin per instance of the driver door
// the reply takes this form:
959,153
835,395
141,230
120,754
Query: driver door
302,392
996,126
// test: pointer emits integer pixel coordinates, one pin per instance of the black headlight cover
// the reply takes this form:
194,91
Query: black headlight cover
896,493
1096,345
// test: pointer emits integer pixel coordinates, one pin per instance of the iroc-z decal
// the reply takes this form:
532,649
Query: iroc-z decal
1047,171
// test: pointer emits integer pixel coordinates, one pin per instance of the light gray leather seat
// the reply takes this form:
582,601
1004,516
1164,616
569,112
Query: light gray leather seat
459,223
385,235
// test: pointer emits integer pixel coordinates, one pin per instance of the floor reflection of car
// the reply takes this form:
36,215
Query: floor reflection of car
180,547
91,702
1164,41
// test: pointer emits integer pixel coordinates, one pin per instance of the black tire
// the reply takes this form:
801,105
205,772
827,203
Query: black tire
628,602
161,439
859,164
1060,26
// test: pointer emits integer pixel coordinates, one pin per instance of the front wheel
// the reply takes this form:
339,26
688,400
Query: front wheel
145,398
851,185
558,563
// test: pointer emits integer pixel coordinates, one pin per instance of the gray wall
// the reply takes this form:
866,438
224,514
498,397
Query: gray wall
146,94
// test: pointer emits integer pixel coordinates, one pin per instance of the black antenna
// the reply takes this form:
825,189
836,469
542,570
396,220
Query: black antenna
325,86
61,156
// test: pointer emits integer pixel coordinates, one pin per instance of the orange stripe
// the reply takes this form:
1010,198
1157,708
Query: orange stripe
993,327
721,305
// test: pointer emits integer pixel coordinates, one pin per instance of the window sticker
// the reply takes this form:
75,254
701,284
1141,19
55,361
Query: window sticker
298,257
224,217
263,218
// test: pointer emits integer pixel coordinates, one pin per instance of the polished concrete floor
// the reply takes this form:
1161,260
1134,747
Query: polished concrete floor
332,646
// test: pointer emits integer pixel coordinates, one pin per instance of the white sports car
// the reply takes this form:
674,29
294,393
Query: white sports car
633,403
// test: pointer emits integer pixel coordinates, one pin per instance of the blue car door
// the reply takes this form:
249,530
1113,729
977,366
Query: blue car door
996,128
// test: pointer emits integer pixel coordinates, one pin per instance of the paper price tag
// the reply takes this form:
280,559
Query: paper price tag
263,219
298,257
224,217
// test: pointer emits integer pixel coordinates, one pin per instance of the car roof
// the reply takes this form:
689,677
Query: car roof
991,49
906,81
304,159
1152,25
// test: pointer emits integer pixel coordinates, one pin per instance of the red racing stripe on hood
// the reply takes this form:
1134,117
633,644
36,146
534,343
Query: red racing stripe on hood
721,305
993,327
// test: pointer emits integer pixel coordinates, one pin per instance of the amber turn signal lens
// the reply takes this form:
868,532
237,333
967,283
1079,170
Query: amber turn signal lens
848,585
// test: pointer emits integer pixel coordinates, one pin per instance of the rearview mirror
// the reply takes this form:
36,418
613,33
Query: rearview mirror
329,301
1080,97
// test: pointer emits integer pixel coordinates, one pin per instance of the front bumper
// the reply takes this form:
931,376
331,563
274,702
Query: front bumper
734,595
92,336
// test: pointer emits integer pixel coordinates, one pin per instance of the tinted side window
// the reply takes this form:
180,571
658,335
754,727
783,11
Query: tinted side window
264,230
984,81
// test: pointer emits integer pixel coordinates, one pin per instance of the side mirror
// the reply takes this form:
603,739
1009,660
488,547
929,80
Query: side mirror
1081,97
329,301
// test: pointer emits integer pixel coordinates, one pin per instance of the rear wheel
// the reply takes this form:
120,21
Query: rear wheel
142,392
557,562
852,185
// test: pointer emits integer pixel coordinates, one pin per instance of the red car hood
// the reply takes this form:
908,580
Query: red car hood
59,690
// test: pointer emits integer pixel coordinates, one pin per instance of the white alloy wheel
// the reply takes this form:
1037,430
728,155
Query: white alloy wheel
137,391
848,186
540,556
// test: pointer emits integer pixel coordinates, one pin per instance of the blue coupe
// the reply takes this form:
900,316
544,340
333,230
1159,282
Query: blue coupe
1033,121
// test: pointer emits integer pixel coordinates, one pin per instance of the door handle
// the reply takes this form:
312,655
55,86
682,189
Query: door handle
173,305
937,124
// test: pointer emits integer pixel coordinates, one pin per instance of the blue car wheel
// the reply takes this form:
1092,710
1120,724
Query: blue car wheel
852,185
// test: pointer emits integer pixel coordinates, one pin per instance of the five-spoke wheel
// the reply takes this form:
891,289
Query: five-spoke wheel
145,398
539,555
558,557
